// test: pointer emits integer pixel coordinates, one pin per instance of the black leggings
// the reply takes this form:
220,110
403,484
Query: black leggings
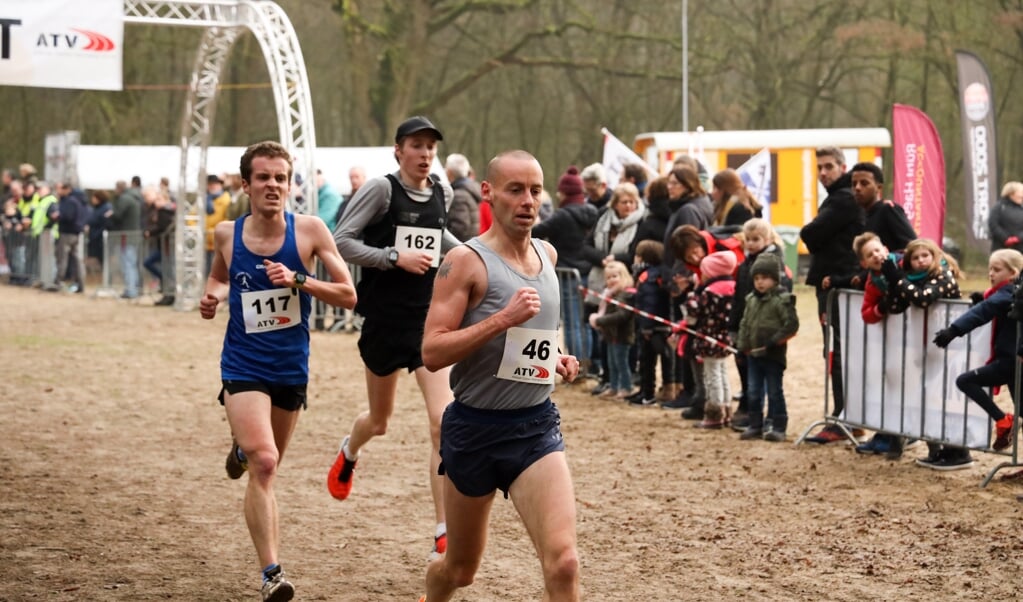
653,344
974,384
834,363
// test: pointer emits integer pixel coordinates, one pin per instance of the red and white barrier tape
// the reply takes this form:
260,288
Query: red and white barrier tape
675,326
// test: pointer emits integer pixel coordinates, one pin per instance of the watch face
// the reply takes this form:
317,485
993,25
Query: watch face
299,279
393,256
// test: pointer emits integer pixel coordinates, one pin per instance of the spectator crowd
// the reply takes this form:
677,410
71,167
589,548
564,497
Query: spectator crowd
679,277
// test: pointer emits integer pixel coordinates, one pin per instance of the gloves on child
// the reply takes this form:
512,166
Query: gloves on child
890,270
943,337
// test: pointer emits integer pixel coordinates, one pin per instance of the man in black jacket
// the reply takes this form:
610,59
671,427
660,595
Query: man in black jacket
889,222
829,239
74,214
884,218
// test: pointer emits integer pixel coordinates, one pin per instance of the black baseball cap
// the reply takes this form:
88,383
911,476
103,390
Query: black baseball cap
414,125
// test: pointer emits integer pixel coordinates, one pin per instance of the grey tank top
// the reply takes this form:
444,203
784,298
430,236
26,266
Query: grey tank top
474,380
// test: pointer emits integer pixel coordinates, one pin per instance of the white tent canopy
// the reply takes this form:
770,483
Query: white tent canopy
100,167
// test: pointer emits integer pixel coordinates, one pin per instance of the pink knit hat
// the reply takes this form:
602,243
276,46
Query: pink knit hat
717,264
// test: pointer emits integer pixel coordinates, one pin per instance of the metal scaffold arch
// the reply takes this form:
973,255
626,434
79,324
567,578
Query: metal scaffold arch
223,20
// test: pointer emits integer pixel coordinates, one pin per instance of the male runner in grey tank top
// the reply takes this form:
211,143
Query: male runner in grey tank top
494,315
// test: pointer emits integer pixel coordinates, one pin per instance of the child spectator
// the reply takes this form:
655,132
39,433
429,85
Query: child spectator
758,237
689,246
768,322
618,327
652,298
1003,267
881,273
929,275
708,308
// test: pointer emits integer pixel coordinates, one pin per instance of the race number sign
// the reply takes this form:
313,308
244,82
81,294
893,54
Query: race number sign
530,356
420,240
269,310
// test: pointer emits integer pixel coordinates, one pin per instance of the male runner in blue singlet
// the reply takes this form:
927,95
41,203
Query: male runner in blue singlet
263,264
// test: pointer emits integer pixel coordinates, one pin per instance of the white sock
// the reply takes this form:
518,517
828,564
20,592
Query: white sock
348,452
442,528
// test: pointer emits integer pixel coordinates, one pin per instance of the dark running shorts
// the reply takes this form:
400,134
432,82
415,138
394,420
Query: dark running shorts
385,348
484,450
285,397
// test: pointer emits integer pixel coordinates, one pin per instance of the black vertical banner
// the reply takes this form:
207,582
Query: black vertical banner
977,109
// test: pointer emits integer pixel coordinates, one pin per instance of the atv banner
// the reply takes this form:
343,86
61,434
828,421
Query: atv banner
61,43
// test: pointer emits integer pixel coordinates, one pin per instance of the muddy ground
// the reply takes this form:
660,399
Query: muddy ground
113,487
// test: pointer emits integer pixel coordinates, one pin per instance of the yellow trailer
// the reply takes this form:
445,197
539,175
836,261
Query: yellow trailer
795,191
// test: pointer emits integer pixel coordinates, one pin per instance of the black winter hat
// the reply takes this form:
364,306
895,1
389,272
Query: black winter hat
767,264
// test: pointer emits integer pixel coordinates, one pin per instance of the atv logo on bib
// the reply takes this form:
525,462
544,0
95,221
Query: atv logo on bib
274,321
533,372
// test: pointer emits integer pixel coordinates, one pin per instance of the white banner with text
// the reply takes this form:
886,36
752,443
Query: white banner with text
61,43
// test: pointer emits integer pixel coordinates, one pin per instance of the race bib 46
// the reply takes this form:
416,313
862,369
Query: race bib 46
530,356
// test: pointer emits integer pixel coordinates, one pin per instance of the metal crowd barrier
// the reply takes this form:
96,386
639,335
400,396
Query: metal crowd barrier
573,329
30,260
22,251
340,319
896,381
123,264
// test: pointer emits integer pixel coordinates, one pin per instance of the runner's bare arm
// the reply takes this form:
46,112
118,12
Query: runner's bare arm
217,284
339,290
460,283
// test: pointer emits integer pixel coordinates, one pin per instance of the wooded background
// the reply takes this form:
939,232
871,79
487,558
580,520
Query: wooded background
546,75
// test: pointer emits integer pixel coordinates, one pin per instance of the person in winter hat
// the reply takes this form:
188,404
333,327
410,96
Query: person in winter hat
759,237
570,187
768,322
708,308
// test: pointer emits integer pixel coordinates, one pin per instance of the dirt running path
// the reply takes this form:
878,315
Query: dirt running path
112,487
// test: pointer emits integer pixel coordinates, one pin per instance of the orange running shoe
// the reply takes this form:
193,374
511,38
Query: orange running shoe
440,546
1003,430
339,478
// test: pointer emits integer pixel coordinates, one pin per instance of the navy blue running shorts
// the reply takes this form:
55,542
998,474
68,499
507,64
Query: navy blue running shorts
484,450
285,397
385,348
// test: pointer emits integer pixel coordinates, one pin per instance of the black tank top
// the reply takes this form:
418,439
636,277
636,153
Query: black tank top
396,295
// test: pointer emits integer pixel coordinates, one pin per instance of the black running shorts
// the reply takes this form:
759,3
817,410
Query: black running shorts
285,397
484,450
385,347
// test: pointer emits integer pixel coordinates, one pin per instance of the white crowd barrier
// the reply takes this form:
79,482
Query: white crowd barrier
897,381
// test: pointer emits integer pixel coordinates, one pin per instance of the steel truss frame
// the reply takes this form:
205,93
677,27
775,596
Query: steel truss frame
223,21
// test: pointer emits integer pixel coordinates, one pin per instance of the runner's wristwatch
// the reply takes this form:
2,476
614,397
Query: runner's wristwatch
392,257
299,280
